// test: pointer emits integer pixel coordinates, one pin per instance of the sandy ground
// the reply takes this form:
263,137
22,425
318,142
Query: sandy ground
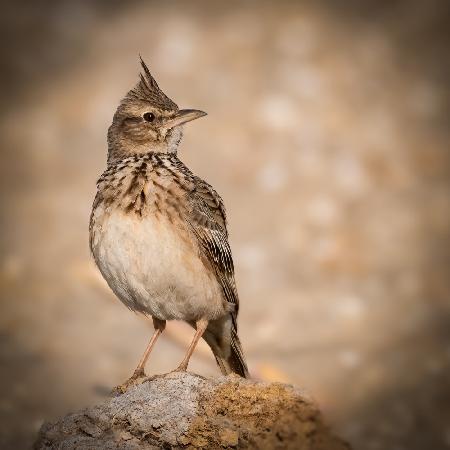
327,138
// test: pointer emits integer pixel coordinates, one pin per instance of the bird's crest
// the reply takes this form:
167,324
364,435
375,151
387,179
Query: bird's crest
148,90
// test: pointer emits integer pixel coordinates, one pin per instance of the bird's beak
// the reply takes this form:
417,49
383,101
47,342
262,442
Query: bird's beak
183,116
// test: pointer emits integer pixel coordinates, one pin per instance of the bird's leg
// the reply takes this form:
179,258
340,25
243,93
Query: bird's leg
200,326
159,325
139,372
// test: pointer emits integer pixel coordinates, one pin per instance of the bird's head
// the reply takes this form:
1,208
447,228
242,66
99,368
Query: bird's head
147,120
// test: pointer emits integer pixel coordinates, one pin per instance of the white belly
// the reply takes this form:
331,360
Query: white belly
152,269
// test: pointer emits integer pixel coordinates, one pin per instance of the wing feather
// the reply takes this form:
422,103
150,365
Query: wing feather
207,218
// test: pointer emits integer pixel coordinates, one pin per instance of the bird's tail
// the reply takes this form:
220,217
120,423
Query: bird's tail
236,359
229,356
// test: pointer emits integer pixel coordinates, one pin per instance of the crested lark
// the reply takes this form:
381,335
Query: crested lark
158,233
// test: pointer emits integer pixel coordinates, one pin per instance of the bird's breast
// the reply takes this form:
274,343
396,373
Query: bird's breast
151,261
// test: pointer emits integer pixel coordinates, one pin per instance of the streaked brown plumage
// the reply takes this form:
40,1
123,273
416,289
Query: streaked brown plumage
158,233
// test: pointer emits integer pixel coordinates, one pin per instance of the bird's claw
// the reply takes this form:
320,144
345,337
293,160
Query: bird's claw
138,377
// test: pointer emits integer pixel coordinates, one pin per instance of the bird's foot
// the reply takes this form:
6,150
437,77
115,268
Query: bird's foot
180,368
138,377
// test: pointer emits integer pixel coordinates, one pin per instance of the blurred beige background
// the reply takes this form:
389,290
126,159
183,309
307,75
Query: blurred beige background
327,137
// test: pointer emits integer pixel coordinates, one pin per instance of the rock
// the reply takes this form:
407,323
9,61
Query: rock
186,411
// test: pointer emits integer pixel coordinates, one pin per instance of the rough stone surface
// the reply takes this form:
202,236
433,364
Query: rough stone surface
182,410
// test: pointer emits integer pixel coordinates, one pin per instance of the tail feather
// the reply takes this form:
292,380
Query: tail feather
231,358
236,359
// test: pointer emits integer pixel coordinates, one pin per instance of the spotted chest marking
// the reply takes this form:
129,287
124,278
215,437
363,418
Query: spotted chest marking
145,184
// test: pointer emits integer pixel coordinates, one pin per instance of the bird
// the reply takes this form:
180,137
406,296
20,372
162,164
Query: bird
158,233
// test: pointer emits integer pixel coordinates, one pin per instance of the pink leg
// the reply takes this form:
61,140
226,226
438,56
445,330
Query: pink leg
139,373
159,328
201,326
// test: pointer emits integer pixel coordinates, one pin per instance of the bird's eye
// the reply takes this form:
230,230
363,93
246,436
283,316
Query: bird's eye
149,117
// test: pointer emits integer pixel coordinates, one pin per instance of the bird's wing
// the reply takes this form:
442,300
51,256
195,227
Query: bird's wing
208,221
